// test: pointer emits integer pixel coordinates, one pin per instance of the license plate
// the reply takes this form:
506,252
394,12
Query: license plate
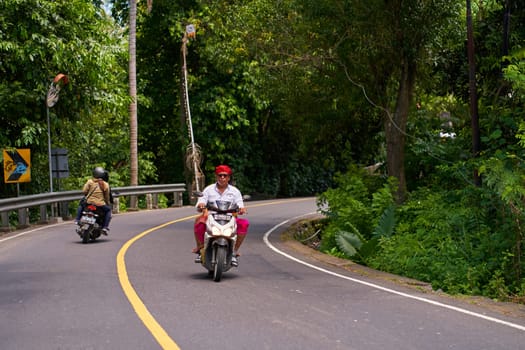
88,220
221,217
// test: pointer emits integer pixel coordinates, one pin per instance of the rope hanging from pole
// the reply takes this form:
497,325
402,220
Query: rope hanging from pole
193,152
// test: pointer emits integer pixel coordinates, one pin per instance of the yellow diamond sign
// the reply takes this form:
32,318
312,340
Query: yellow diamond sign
17,165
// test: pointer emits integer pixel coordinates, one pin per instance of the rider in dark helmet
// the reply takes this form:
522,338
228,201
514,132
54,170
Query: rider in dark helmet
99,173
97,192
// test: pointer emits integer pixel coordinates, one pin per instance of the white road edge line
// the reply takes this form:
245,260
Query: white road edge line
30,231
488,318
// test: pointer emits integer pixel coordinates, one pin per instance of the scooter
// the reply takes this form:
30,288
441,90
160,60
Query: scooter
90,224
219,238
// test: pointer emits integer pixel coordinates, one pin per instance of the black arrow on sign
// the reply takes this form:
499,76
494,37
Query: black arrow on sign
21,166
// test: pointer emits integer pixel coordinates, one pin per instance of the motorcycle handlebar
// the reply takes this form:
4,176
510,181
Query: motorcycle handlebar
212,208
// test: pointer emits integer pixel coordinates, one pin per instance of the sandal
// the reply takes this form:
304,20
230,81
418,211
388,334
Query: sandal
234,261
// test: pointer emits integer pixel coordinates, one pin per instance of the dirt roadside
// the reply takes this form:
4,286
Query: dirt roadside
505,308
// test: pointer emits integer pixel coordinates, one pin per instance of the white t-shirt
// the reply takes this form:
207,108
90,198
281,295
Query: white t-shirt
230,194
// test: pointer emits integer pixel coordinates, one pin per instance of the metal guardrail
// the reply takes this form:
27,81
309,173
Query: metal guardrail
43,200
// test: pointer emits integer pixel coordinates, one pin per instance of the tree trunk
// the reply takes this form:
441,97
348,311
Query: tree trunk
133,125
395,129
473,100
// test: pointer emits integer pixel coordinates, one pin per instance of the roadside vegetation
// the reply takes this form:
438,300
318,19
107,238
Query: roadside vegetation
408,129
466,240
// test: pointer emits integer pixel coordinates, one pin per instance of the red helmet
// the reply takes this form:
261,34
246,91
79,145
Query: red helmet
223,169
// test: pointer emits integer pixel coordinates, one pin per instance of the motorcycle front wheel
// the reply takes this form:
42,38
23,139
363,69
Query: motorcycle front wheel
220,259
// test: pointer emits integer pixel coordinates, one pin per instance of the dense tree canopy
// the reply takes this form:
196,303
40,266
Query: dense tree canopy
38,40
288,92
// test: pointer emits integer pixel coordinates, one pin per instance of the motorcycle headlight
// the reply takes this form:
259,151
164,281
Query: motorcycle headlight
215,231
227,232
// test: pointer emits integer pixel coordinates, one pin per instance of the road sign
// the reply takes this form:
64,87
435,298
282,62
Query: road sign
60,163
17,165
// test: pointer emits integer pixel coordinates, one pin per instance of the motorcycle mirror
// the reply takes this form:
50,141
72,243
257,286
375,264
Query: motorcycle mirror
197,193
246,197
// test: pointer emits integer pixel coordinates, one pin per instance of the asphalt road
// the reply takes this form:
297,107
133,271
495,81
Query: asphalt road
139,288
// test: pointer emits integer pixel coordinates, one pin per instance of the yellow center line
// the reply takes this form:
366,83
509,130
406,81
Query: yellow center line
144,315
141,310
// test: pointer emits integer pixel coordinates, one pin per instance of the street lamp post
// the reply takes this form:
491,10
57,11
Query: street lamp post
51,100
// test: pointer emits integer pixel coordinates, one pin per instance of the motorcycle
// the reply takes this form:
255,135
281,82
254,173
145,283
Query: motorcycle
90,224
219,238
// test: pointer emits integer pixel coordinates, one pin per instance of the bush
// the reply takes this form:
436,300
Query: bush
462,241
358,201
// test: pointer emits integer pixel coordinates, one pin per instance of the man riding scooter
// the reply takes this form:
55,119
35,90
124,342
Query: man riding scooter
220,190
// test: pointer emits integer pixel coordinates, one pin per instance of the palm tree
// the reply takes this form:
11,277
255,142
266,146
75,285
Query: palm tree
133,124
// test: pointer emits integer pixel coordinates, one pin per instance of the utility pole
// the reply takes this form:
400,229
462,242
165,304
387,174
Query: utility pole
193,156
51,100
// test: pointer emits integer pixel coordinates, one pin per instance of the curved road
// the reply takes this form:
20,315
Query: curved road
138,288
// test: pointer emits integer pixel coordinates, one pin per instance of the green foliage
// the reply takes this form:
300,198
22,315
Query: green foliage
430,157
349,242
498,287
387,223
505,175
515,70
351,208
462,240
262,69
515,73
354,245
348,203
450,240
77,39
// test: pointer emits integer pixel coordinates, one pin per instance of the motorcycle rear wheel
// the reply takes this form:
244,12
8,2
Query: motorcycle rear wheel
220,259
85,236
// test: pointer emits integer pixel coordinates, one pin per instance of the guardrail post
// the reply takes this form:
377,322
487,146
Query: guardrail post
133,203
5,222
149,202
116,205
155,201
23,218
64,211
177,199
43,214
